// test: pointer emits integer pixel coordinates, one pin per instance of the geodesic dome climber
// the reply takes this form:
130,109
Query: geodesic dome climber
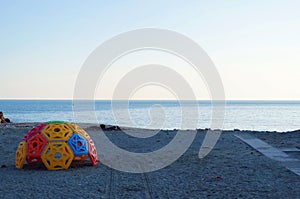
56,144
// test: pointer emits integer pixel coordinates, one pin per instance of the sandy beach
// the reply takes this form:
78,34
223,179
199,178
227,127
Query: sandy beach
233,169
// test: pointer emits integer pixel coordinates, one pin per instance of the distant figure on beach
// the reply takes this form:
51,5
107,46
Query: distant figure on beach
3,119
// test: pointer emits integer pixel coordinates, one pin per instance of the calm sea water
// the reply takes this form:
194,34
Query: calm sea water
245,115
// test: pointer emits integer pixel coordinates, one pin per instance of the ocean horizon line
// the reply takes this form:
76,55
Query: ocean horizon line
199,100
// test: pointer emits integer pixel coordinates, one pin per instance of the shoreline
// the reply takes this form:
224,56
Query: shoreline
111,127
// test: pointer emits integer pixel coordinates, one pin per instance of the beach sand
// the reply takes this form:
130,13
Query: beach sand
233,169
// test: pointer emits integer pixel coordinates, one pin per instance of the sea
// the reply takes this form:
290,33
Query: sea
165,114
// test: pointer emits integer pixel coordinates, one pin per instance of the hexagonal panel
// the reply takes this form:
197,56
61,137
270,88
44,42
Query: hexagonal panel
57,155
36,130
56,122
79,130
57,131
92,153
78,144
21,155
34,148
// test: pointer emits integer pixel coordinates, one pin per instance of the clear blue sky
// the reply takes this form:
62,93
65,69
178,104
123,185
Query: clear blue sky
254,44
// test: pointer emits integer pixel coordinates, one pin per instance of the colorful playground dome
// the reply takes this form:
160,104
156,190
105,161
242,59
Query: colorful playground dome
56,144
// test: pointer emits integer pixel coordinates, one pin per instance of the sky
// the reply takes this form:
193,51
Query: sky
255,45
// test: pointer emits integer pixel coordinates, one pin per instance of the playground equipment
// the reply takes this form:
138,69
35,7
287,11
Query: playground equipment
56,144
